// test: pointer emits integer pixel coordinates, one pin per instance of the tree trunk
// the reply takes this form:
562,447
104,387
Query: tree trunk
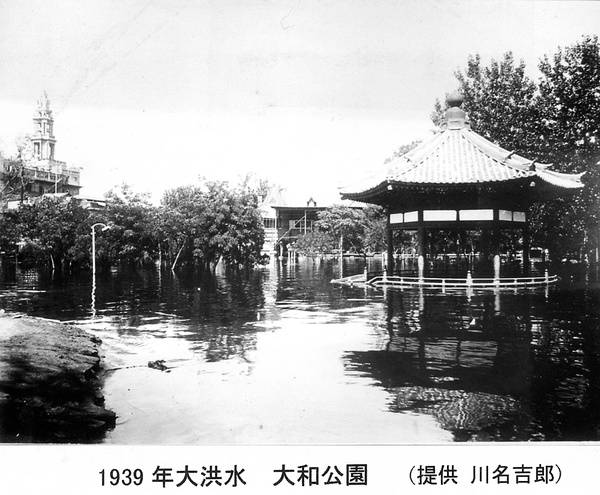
177,257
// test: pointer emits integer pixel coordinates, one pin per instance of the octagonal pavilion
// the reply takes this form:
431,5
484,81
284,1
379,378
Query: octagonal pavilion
458,179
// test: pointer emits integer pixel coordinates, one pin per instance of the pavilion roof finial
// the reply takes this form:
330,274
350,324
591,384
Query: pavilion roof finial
455,117
455,99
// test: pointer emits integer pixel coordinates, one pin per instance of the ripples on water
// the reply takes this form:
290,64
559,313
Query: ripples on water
280,355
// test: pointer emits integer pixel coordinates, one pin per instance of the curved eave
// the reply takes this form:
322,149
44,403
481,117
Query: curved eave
459,158
367,195
570,182
532,187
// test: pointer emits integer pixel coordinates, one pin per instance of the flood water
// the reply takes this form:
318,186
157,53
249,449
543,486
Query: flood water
282,356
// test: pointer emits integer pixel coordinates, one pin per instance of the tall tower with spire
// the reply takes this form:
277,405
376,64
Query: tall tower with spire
43,139
45,173
37,172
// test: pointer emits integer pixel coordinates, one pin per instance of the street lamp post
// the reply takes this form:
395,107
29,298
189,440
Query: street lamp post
104,227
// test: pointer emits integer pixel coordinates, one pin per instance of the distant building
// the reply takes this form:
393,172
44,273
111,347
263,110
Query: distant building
284,222
38,172
288,216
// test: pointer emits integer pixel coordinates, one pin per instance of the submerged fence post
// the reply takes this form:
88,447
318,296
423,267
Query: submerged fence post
497,269
366,275
421,268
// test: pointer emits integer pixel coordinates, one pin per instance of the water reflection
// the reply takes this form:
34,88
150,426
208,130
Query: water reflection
493,365
280,355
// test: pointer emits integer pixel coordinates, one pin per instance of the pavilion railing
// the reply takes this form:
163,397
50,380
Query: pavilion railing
381,279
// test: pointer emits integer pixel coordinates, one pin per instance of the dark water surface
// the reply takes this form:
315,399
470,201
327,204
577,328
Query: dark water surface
282,356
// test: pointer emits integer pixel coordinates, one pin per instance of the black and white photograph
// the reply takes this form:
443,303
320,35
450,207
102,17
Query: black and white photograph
304,237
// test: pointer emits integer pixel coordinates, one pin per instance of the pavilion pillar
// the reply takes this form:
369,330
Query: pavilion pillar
526,247
421,252
390,249
496,268
496,237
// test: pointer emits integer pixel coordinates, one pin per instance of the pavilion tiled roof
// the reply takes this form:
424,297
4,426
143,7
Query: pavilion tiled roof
459,156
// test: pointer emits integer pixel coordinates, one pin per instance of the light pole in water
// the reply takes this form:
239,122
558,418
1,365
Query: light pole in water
104,227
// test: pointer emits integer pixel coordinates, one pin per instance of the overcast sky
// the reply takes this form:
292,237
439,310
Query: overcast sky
308,94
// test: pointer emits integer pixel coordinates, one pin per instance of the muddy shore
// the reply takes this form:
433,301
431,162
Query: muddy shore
50,391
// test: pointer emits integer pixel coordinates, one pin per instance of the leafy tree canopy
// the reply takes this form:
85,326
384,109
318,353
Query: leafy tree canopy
132,237
357,229
13,177
213,221
54,230
403,149
554,120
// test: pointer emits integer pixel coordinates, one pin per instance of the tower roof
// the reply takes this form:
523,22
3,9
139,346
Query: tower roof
458,157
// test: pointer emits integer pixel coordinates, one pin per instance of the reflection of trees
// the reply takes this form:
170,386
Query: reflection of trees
504,366
219,314
566,353
222,310
306,283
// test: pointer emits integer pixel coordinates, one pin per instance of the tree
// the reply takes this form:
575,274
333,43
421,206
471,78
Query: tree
55,230
314,243
569,101
500,102
212,222
343,223
132,237
375,237
14,175
240,241
357,229
8,232
179,222
258,185
403,149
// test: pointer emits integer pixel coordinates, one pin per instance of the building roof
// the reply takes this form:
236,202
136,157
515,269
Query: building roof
458,156
280,198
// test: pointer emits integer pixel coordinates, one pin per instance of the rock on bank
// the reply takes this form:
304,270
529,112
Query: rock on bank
49,386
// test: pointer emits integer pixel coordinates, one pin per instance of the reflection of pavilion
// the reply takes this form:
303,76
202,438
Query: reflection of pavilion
469,335
460,360
458,181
